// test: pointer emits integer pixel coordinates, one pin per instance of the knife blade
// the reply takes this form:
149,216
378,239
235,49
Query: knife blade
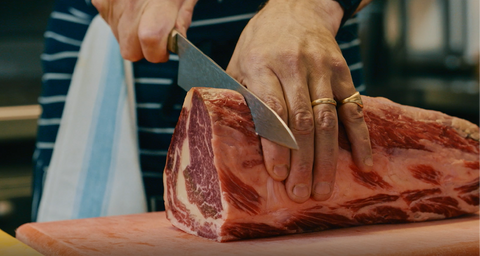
197,70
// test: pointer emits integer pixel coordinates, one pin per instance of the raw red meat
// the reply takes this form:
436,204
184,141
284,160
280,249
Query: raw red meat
217,187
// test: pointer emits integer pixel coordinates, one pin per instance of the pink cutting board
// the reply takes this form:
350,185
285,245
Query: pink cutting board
152,234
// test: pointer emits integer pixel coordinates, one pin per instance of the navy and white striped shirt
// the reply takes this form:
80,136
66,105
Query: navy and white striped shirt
215,28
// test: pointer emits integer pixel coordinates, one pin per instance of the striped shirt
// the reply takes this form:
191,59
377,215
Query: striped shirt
216,26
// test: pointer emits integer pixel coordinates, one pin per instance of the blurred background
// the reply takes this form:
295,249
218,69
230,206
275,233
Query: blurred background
419,53
22,25
423,53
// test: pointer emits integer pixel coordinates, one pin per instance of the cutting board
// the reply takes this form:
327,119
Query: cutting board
152,234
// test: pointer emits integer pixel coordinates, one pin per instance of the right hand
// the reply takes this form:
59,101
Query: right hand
142,26
287,56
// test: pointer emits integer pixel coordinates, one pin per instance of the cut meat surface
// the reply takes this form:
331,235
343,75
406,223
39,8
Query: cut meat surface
426,166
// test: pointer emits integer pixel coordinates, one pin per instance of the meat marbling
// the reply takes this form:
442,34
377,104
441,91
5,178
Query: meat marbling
217,187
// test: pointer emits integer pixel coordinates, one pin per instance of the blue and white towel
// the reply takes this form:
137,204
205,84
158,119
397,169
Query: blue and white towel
95,168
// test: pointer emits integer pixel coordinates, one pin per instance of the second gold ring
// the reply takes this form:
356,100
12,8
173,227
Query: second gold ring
354,98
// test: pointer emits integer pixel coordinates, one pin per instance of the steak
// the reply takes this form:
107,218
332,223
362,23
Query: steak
216,185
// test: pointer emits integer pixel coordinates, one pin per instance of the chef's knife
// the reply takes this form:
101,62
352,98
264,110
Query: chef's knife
198,70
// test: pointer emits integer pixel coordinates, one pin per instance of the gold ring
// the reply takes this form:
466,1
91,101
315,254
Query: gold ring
355,98
324,101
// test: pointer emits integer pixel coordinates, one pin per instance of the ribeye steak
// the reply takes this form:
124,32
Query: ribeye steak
216,185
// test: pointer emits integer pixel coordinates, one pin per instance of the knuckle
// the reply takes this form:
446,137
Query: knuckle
332,60
291,58
302,122
326,120
253,61
316,53
316,59
352,113
149,37
303,170
130,55
255,56
275,104
339,65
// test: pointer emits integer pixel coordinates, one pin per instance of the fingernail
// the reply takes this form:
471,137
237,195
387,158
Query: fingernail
368,161
301,190
322,188
280,170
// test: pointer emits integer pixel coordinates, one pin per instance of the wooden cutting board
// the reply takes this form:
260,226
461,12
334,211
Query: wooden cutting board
152,234
10,246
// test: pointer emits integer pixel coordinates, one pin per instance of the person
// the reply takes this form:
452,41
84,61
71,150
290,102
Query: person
300,57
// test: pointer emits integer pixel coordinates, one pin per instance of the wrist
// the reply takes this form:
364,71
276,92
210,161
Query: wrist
335,13
350,7
328,12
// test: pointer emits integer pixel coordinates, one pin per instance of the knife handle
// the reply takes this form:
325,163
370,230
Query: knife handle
172,41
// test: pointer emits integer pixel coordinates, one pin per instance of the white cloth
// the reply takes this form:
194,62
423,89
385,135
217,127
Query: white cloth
95,168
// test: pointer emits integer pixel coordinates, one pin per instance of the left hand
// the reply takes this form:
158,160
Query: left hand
287,55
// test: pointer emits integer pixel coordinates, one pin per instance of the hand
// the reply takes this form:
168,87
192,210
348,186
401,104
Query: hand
142,26
287,55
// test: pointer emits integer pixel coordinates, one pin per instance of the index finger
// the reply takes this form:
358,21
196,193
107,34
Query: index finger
267,87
